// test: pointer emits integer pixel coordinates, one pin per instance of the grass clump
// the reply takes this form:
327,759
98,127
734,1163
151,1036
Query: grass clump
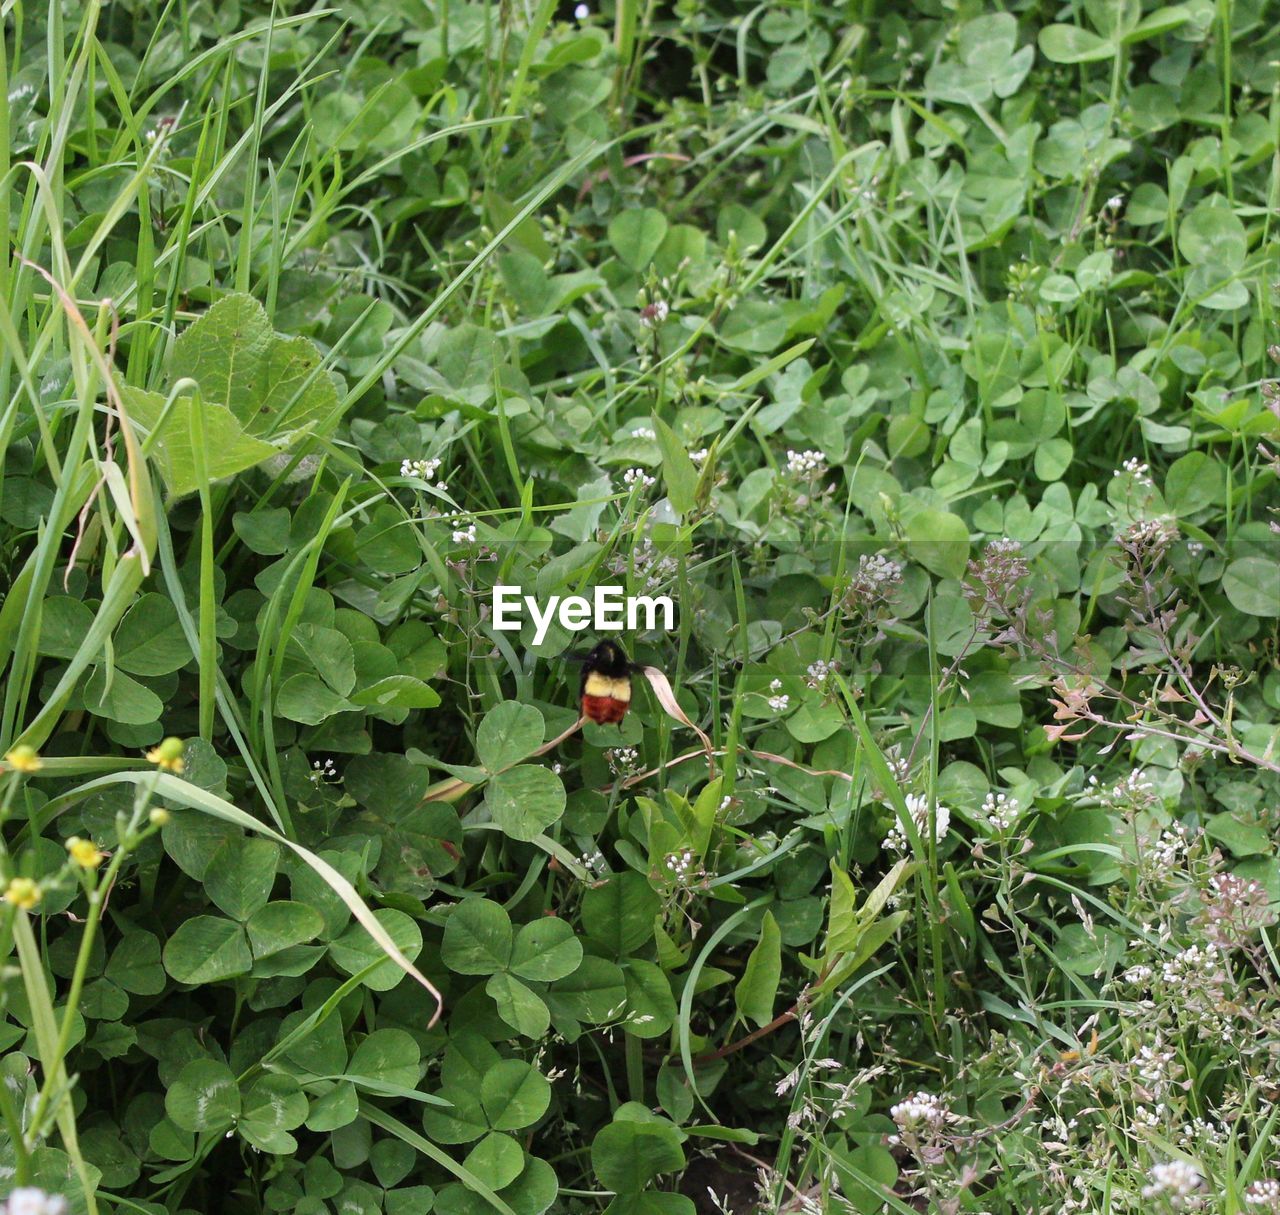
926,360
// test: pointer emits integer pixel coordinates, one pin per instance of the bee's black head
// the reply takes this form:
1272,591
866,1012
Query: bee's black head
609,658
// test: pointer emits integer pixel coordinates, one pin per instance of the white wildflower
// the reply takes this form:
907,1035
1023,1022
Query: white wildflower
1177,1182
923,1112
1263,1194
1136,469
918,808
806,463
638,477
323,770
652,315
999,811
424,470
27,1200
818,672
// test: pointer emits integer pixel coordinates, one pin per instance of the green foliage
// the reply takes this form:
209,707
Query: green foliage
922,355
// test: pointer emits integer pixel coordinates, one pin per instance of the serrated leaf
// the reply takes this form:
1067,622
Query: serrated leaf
229,449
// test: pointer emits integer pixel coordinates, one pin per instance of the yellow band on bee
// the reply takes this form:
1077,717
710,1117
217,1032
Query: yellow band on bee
602,685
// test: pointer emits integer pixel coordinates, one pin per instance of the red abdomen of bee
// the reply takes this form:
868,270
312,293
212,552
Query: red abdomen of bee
604,709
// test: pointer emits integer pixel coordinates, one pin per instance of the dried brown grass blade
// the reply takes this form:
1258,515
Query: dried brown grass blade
661,686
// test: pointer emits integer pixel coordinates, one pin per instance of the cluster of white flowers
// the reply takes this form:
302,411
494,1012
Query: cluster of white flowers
1195,965
27,1200
466,534
1230,886
644,432
323,769
1136,469
1177,1182
652,315
1151,1116
1170,847
876,575
1263,1195
1114,203
700,456
1002,546
1201,1133
806,463
1000,812
648,562
1156,1066
923,1112
424,470
593,862
1151,535
622,759
778,701
819,672
1132,792
918,808
899,765
682,865
638,477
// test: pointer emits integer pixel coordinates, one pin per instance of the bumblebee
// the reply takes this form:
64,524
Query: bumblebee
605,690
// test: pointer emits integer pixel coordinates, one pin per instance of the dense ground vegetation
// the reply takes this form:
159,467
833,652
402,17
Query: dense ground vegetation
923,355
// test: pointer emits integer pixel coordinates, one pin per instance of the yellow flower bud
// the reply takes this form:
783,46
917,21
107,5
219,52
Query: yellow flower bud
168,755
24,759
159,816
22,892
84,852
